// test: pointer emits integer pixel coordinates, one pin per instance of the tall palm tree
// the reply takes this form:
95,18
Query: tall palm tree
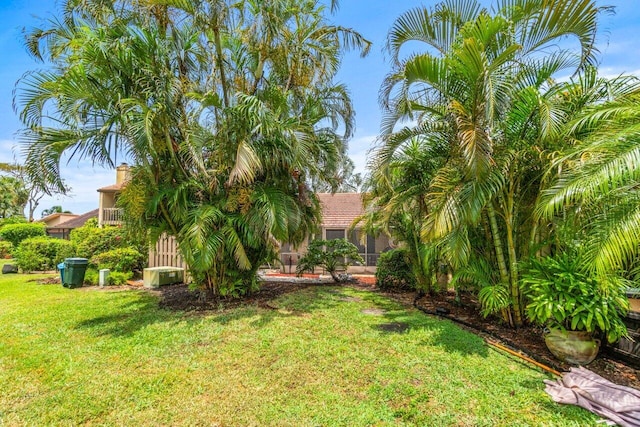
594,185
486,77
223,143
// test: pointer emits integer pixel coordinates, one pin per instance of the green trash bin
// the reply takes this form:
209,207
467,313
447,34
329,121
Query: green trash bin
74,269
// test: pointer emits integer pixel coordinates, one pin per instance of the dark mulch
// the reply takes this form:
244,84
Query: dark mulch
180,297
527,340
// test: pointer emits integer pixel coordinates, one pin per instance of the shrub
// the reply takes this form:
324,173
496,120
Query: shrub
29,260
91,241
16,233
42,253
117,278
91,277
13,220
394,271
5,249
330,255
121,259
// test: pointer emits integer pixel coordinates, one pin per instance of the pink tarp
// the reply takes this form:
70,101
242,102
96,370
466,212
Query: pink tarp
579,386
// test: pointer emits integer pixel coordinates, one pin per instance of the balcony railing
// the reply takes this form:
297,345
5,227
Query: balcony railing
111,216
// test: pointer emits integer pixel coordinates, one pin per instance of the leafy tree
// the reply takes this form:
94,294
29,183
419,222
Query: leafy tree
228,110
33,189
331,255
13,197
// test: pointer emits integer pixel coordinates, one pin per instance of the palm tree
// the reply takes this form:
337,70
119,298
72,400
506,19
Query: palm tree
195,92
593,187
486,80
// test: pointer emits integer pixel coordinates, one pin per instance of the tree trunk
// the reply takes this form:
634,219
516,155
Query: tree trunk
513,263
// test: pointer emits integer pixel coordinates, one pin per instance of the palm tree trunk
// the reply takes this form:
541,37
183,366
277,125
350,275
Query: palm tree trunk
497,243
513,263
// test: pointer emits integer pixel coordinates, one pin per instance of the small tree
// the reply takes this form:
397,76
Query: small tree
330,255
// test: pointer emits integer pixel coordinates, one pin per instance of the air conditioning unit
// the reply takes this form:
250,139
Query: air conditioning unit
154,277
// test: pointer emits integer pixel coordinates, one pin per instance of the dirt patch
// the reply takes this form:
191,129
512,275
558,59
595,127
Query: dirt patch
374,311
46,281
396,327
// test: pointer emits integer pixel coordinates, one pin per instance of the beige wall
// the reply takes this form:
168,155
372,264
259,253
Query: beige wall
106,201
59,219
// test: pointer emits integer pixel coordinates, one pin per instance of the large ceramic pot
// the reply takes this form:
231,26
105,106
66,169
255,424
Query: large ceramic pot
575,347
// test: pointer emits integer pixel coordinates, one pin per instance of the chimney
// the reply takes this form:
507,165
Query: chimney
123,173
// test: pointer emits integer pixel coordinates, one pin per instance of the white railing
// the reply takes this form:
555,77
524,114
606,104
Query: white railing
112,216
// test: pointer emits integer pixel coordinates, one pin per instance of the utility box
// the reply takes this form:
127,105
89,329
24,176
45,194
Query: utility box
154,277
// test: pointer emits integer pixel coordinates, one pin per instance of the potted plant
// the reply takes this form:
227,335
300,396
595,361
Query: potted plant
575,306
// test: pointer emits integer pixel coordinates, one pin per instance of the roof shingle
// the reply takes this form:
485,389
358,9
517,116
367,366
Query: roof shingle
340,209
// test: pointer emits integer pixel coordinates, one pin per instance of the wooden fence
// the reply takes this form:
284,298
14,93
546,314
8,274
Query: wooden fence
166,254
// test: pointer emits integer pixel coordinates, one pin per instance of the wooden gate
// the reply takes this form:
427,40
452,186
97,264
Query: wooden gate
166,253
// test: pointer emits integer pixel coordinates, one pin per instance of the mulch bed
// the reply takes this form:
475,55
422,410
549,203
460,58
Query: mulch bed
527,340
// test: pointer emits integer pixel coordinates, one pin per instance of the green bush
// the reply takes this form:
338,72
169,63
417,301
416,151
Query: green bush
42,253
115,278
121,259
91,277
16,233
563,294
91,241
13,220
5,249
118,278
394,272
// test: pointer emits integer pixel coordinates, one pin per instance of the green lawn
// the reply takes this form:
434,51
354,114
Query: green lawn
114,358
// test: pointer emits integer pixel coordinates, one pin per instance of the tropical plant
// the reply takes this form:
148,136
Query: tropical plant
563,295
396,205
331,255
485,87
593,190
393,271
228,110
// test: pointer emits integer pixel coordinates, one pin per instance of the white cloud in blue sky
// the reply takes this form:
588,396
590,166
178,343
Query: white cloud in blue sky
618,44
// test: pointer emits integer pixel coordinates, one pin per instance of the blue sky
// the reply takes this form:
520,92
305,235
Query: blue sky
619,45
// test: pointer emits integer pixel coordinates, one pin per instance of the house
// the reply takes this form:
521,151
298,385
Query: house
62,230
108,213
338,213
339,210
57,218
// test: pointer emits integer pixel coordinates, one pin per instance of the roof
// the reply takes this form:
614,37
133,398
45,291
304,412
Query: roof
78,221
52,217
113,188
340,209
